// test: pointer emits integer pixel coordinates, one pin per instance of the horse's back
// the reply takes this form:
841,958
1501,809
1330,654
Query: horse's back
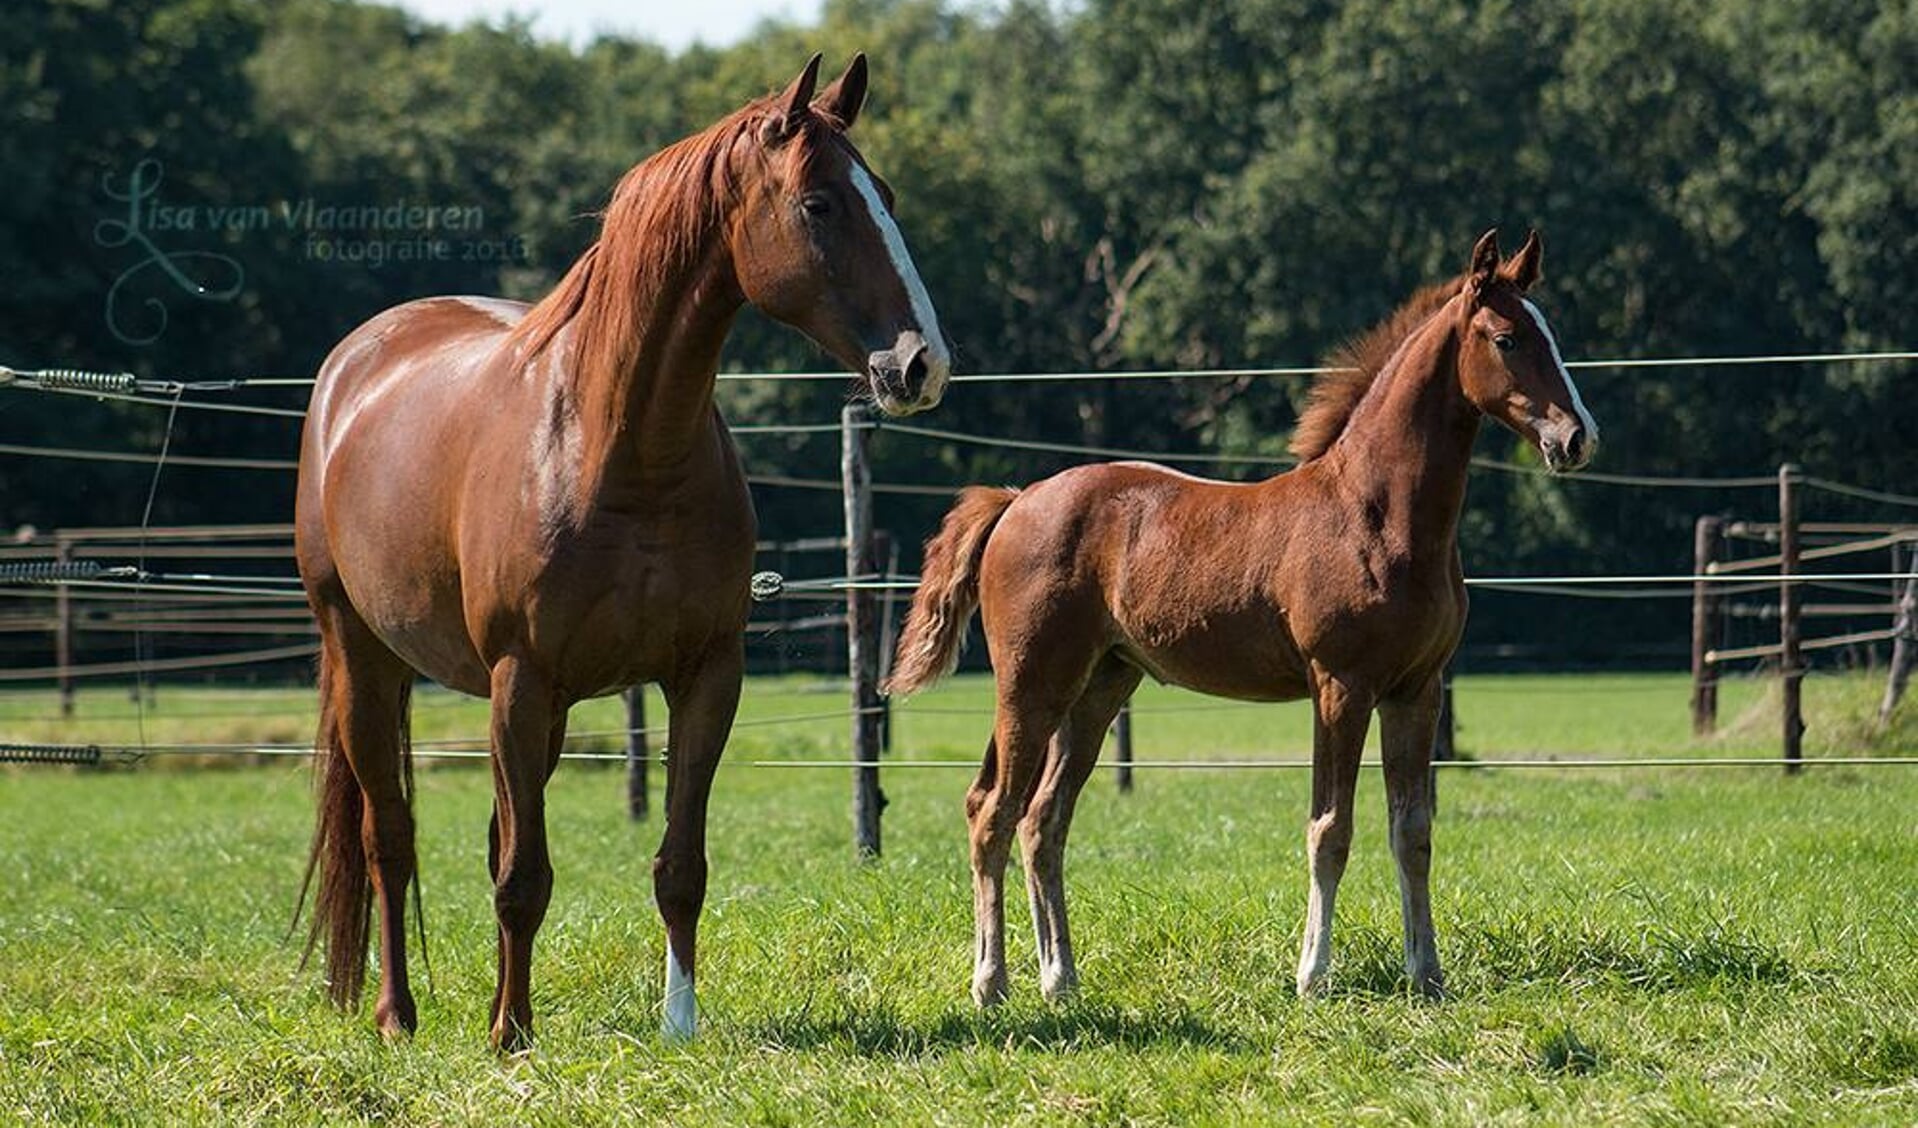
1149,560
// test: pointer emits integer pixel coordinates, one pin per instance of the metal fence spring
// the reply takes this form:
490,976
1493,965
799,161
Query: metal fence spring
85,381
49,571
88,754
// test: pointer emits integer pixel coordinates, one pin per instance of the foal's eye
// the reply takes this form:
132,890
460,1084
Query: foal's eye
1504,342
815,203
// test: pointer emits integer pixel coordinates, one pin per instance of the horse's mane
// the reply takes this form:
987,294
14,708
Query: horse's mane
659,213
1335,395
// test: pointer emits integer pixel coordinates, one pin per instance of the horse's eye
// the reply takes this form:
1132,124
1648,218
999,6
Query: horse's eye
1505,342
815,203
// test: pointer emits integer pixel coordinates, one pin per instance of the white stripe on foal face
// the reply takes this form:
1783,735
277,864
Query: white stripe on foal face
938,362
1585,419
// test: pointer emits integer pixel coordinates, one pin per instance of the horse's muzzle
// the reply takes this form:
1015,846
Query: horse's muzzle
1567,449
909,377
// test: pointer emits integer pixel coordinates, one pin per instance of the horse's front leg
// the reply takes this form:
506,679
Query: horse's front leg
528,729
1407,728
1343,713
700,700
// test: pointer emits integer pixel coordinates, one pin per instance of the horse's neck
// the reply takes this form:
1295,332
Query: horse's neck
1405,452
655,409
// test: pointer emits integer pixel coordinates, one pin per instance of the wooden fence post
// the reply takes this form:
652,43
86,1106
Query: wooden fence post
862,630
1790,665
1707,536
1904,646
63,629
636,753
1122,736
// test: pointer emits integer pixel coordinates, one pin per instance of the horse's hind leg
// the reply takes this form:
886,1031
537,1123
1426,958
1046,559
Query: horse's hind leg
1343,712
528,725
370,691
1048,817
1022,730
1407,728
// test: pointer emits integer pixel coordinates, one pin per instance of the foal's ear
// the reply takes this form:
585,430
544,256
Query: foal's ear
790,107
1484,262
1522,269
847,94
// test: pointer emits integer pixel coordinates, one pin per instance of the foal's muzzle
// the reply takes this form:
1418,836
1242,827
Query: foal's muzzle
911,376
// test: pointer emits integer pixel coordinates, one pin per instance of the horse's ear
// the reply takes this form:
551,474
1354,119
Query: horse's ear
1484,262
1522,269
847,94
790,107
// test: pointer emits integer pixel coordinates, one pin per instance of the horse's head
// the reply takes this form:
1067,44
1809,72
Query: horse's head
814,244
1509,364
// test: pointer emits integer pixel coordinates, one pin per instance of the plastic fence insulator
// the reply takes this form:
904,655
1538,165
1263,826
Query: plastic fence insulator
767,585
12,753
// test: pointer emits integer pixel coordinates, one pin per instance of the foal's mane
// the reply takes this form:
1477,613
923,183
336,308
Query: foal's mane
1335,395
654,225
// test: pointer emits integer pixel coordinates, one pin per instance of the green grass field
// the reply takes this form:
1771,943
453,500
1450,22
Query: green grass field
1624,946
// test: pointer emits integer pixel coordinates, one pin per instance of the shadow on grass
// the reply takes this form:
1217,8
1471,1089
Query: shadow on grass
1517,953
880,1032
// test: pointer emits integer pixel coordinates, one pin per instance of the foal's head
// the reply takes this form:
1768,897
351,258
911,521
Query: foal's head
1509,364
814,243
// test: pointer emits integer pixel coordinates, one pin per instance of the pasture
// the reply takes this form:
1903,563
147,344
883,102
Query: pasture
1632,945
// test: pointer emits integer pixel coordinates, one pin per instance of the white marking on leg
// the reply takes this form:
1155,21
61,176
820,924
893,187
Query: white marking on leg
1578,404
682,1009
938,361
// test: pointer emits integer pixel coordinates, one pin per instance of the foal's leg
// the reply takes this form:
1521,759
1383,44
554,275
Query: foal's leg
700,702
1338,738
526,715
1048,818
1014,758
1407,728
370,695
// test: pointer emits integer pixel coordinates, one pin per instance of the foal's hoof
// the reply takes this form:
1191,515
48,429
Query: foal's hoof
1059,991
1429,984
988,991
510,1039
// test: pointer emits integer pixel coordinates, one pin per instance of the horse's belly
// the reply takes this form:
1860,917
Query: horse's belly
1238,660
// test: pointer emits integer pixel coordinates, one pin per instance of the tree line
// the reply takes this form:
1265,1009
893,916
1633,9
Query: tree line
1119,184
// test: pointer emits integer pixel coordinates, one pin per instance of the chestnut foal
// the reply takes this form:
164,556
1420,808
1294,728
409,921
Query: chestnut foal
1338,581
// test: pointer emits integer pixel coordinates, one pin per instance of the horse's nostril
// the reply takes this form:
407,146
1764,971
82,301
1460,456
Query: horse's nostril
1575,446
916,371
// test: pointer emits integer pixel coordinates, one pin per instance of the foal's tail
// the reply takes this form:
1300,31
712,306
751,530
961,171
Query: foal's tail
342,908
948,591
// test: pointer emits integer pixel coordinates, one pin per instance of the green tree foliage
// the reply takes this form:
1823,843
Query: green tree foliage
1110,185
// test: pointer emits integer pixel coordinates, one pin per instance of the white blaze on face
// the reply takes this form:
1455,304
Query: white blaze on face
938,362
1585,419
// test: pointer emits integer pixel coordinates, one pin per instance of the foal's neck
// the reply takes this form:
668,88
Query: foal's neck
1405,451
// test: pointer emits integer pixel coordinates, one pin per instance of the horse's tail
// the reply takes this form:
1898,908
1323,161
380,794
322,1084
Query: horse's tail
343,904
948,591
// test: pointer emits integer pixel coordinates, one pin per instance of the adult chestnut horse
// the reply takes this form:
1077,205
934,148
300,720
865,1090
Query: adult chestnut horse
1338,581
540,505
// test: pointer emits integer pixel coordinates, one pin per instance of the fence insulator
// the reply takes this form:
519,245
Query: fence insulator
767,585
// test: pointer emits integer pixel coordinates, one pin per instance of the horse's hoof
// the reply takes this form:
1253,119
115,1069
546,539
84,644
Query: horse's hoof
1060,991
989,992
1431,985
396,1021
